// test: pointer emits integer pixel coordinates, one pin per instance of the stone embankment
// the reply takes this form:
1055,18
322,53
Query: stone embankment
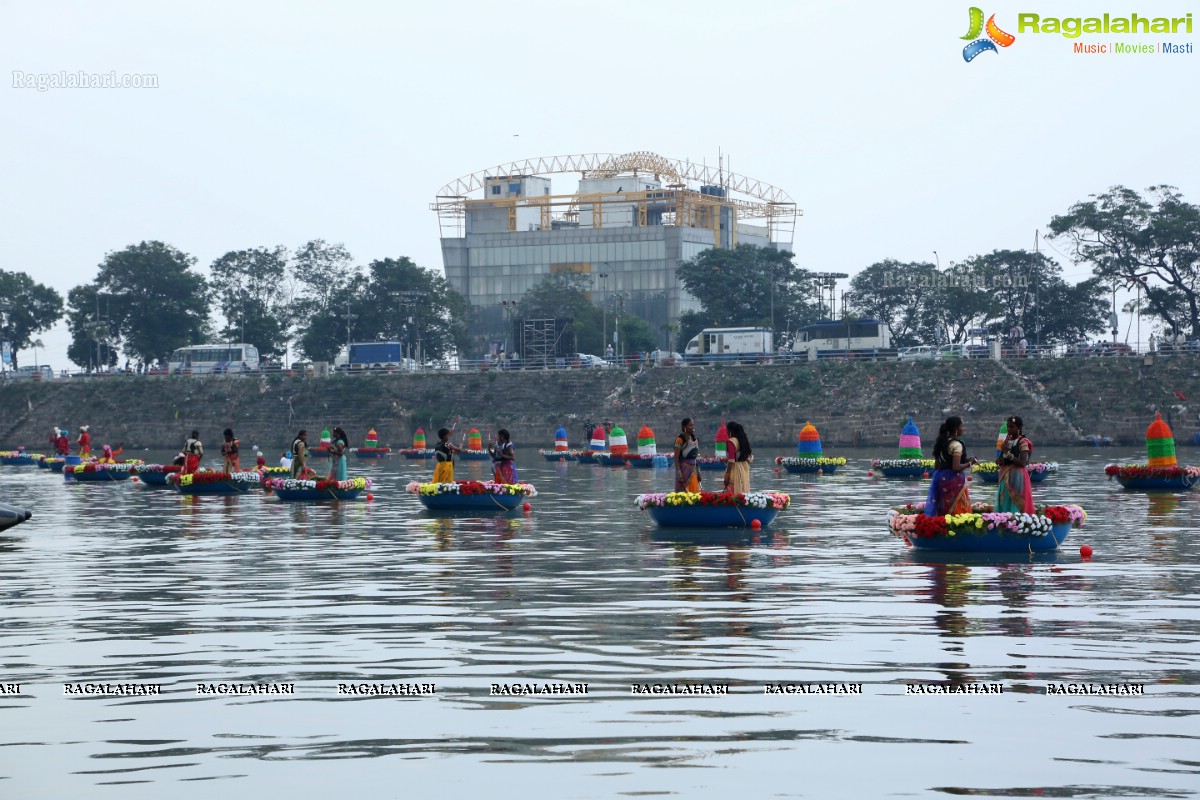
851,403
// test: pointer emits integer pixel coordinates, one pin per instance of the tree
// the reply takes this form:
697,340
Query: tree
636,336
327,279
568,296
1069,313
147,299
26,308
900,294
253,293
748,285
93,339
405,302
1126,238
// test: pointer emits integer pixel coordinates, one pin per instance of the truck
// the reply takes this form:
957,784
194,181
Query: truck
730,344
373,356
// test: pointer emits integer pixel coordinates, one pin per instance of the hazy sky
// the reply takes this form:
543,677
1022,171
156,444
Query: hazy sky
277,123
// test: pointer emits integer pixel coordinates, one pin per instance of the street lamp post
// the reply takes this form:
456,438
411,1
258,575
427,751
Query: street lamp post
603,276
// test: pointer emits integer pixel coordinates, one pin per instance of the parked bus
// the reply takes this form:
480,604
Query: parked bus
859,338
208,359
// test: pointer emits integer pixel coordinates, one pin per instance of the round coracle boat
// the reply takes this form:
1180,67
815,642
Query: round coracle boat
711,463
641,461
214,482
1143,477
416,452
985,531
810,466
293,490
903,467
98,473
383,452
988,472
19,458
560,455
471,495
52,463
589,457
475,455
713,509
155,474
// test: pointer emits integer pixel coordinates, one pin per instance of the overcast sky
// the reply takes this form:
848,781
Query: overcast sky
277,123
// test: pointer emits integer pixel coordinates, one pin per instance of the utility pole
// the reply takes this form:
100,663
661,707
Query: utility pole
603,276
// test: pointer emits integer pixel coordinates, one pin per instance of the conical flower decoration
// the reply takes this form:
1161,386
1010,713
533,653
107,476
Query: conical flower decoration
1160,443
474,439
419,439
617,443
646,443
560,438
809,443
910,440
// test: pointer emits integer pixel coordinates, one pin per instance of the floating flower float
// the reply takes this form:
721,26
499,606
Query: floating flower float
52,463
984,530
471,495
475,450
295,490
155,474
595,447
214,482
809,458
711,463
910,462
713,509
19,458
371,448
989,472
98,473
1162,471
561,451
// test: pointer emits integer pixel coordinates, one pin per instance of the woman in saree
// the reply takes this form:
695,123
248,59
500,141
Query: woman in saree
1014,494
504,458
948,489
738,455
687,450
443,452
339,445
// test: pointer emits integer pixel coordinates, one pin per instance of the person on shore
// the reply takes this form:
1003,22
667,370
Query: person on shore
193,451
504,458
443,453
299,452
1014,494
738,455
230,451
948,490
339,445
687,450
83,445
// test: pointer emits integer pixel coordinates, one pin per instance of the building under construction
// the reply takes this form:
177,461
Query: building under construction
630,221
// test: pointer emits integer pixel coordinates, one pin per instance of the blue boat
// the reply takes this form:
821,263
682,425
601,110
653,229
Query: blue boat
700,516
415,454
380,452
560,455
904,472
474,455
588,458
97,476
712,466
315,495
995,541
154,478
994,477
223,487
1181,483
18,460
805,469
489,502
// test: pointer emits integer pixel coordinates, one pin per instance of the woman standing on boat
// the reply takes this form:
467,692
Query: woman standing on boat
339,445
229,450
1014,494
84,442
444,452
687,450
504,458
193,451
300,454
738,455
948,489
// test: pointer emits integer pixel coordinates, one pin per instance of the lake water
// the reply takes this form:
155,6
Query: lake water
125,584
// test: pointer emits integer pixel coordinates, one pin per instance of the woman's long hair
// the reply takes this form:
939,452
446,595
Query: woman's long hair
736,431
338,433
941,446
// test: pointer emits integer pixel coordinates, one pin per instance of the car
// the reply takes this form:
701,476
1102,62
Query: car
662,358
587,360
41,373
918,352
952,351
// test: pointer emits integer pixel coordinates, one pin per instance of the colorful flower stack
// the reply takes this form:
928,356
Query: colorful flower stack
989,471
595,447
475,451
1162,470
983,530
293,490
618,454
472,496
713,509
419,450
561,451
322,448
647,451
810,458
716,461
909,463
371,448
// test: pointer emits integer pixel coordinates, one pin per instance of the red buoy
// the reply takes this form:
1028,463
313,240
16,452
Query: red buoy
1085,551
755,524
870,474
526,507
370,497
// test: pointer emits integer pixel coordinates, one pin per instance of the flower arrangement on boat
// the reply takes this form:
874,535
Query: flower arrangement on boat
291,484
79,469
213,476
902,463
774,500
820,461
467,488
703,461
1134,471
1047,467
157,468
908,522
270,471
561,453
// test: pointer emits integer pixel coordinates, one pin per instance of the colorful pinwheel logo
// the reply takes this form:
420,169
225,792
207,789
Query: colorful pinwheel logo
995,36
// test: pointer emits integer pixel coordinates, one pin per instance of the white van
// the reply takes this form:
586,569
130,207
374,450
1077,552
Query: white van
920,351
41,372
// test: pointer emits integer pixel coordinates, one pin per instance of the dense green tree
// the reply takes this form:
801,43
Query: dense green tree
1070,313
94,341
253,293
900,294
26,308
329,286
402,301
747,285
1126,237
146,299
569,296
636,336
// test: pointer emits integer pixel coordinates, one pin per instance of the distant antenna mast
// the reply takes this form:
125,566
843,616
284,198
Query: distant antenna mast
720,168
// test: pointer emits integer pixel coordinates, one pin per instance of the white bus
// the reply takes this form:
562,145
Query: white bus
862,338
209,359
